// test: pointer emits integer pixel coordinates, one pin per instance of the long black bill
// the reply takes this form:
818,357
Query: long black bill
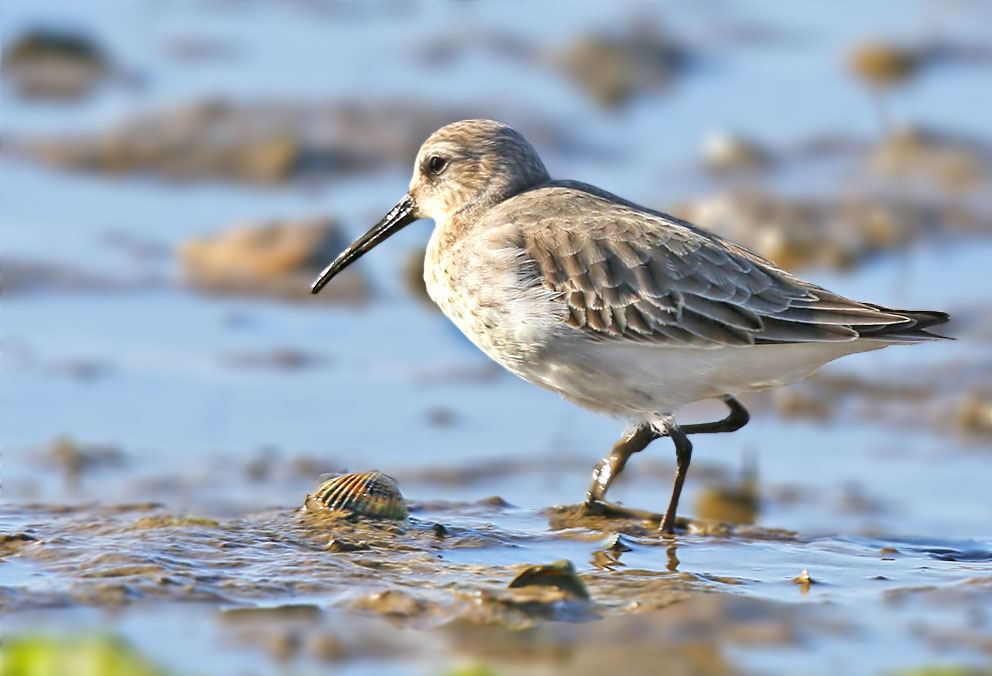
398,217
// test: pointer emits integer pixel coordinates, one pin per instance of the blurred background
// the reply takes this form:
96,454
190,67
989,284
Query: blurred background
173,173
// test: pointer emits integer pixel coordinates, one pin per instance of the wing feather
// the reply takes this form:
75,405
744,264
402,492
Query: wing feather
626,272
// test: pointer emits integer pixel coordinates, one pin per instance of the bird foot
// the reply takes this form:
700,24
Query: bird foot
597,507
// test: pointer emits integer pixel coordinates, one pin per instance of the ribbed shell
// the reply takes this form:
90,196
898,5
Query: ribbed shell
367,493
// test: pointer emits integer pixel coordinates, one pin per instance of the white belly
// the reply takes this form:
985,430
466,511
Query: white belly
640,382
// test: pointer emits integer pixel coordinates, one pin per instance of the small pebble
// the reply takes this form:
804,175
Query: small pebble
804,581
560,574
339,545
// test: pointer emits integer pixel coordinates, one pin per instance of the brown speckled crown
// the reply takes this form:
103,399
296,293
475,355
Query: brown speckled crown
490,162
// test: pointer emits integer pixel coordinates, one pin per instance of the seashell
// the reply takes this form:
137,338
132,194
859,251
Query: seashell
367,494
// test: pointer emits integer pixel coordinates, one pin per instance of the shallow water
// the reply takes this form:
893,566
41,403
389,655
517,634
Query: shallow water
170,509
876,594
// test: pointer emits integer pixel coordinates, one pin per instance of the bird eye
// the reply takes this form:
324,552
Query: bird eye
436,164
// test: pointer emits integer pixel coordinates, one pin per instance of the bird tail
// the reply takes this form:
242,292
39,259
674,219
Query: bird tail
912,331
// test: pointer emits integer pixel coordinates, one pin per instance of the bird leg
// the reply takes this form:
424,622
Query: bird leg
736,419
610,467
683,455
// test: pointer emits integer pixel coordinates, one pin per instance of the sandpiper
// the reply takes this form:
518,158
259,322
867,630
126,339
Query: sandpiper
624,310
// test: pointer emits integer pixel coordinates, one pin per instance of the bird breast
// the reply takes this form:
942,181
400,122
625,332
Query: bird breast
489,287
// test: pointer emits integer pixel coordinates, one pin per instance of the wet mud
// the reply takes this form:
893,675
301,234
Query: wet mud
285,582
271,259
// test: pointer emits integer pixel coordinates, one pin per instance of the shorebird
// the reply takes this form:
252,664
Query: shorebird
623,310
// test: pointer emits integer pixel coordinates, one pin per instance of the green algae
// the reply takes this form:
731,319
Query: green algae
52,656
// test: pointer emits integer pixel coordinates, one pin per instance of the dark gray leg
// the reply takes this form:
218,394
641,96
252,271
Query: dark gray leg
610,467
736,419
683,455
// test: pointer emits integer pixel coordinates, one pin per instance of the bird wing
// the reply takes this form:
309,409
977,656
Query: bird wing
625,272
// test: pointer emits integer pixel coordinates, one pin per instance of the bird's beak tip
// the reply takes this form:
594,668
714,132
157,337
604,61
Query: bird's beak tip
398,217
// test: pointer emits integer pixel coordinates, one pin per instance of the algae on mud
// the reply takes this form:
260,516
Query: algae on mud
59,656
